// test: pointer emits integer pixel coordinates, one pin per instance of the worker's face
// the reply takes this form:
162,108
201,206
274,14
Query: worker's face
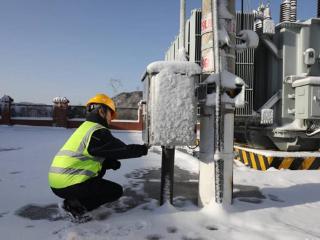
108,117
105,114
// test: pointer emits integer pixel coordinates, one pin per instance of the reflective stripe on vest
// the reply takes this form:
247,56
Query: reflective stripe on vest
78,155
73,164
72,171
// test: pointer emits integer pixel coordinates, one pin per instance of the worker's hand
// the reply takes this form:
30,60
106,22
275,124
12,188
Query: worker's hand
139,149
112,164
143,149
116,165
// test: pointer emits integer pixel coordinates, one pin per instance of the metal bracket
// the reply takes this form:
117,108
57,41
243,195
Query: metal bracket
272,101
201,93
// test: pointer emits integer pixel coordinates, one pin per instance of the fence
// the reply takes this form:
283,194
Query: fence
63,116
75,112
31,111
123,113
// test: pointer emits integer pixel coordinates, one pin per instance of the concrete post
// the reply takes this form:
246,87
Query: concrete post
206,165
60,112
5,102
216,155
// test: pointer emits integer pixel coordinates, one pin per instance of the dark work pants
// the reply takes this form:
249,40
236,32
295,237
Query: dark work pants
91,193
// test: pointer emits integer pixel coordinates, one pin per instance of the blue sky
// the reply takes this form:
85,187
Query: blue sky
76,48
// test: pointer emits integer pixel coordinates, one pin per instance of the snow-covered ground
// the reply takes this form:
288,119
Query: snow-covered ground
267,205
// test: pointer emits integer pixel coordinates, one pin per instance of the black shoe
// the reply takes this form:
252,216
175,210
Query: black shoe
76,210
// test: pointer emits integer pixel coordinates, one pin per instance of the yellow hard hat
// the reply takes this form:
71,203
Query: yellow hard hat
101,98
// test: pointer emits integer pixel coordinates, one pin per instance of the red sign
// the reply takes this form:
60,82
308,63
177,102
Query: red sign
206,23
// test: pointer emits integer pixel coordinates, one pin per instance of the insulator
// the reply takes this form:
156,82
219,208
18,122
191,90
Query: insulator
293,10
258,25
285,10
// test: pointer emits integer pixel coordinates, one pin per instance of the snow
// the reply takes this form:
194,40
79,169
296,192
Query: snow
250,38
223,10
32,118
187,68
295,125
173,109
182,55
266,116
224,38
228,79
6,98
60,100
267,205
124,120
211,99
307,81
269,26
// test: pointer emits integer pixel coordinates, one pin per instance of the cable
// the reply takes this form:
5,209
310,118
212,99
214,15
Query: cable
313,133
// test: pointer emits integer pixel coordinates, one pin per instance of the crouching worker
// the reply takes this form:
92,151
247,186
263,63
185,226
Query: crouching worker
77,170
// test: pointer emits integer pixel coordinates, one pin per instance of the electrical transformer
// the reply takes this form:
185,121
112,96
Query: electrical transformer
282,79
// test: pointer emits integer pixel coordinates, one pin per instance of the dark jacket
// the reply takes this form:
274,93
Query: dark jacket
104,144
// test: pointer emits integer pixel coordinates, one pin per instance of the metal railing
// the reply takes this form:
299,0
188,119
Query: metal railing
123,113
31,111
76,112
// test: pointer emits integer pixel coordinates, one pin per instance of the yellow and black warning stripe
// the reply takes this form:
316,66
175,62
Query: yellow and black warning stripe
261,162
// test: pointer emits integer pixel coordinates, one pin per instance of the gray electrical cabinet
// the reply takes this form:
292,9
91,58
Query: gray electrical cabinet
169,103
307,98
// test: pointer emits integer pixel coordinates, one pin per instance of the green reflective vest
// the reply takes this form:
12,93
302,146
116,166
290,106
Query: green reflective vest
73,164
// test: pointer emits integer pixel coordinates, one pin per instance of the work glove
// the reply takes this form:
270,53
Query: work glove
112,164
142,149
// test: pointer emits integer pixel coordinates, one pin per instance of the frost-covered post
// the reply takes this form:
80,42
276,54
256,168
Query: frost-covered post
60,112
167,166
167,175
216,120
5,102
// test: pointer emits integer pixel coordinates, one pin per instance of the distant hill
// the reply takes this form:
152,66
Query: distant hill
128,99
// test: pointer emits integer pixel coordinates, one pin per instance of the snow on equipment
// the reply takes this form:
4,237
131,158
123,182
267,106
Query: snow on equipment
171,108
169,113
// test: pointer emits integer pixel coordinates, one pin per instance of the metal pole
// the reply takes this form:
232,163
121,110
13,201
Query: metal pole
167,175
318,13
182,22
242,15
